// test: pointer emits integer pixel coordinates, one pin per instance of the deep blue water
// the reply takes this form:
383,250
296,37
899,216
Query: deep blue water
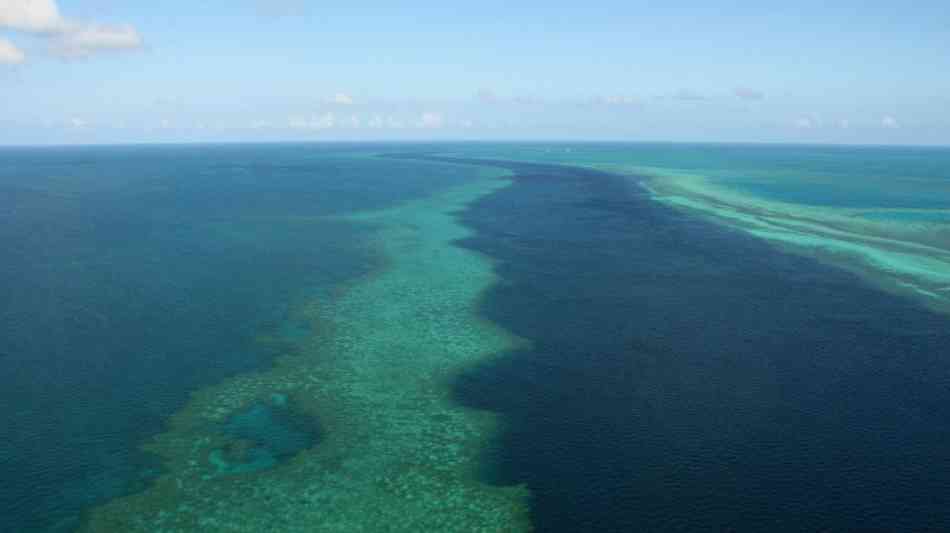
829,176
131,276
685,377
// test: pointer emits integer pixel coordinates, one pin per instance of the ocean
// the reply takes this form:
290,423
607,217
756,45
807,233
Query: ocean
133,276
460,337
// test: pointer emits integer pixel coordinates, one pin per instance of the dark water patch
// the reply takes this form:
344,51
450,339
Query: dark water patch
263,435
107,344
686,377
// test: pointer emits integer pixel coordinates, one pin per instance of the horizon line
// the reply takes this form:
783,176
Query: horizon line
468,141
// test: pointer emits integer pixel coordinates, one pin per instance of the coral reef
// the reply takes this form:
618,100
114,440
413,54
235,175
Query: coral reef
395,453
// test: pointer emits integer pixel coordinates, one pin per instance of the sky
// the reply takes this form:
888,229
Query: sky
105,71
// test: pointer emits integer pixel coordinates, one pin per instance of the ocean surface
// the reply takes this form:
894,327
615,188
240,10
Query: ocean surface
458,337
132,276
880,212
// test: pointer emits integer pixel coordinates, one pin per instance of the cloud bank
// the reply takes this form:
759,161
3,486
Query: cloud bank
67,38
617,101
428,120
86,40
39,16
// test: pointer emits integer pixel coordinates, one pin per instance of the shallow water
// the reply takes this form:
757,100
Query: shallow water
834,176
305,337
881,212
132,276
397,452
909,216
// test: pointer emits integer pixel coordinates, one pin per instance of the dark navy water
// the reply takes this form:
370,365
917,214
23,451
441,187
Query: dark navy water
685,377
815,175
131,276
682,377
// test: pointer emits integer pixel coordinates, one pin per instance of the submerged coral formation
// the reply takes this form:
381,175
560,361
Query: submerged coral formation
884,215
395,453
263,435
902,250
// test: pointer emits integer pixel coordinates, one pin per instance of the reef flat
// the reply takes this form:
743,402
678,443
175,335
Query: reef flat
393,452
902,250
881,213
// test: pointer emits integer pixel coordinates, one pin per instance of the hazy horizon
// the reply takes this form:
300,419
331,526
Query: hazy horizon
449,141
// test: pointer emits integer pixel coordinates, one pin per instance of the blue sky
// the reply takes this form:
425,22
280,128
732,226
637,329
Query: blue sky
88,71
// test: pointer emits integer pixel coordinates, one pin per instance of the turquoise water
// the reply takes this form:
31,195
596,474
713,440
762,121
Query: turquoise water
462,337
880,212
133,276
264,434
909,216
836,176
850,191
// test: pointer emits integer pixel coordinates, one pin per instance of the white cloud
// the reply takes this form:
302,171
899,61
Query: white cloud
10,54
68,38
322,122
890,122
354,122
31,15
804,123
77,122
618,101
844,124
254,125
376,122
808,121
431,121
85,40
342,99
